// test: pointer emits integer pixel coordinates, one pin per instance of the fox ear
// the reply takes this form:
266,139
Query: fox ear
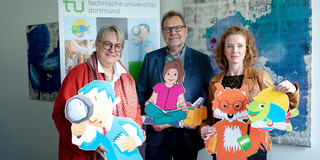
244,90
219,90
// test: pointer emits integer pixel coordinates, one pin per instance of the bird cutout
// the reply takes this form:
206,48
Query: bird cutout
268,111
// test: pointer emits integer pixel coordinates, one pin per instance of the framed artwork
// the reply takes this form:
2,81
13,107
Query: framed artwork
282,30
43,61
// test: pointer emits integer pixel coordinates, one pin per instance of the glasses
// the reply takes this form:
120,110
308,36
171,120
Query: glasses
175,28
237,105
107,45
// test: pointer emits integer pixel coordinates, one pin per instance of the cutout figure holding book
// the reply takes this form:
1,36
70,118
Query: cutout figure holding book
161,107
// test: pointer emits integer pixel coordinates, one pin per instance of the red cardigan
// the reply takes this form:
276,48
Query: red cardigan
75,80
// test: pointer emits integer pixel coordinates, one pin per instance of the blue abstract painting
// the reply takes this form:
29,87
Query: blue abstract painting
43,61
282,29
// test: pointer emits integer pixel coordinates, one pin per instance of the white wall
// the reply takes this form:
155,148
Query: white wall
26,127
27,130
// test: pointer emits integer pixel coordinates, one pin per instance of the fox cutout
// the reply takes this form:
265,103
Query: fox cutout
229,105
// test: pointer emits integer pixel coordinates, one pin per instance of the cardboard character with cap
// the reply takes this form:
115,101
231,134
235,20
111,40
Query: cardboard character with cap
93,124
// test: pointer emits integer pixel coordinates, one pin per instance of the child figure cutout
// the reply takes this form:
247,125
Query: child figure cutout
93,124
233,138
161,107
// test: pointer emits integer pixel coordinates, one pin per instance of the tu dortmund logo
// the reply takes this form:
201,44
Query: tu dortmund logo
74,5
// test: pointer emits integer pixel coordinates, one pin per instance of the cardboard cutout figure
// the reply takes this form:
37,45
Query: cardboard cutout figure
268,111
93,124
161,107
234,138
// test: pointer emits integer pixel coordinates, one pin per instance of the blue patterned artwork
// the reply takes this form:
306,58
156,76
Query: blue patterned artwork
282,29
43,61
